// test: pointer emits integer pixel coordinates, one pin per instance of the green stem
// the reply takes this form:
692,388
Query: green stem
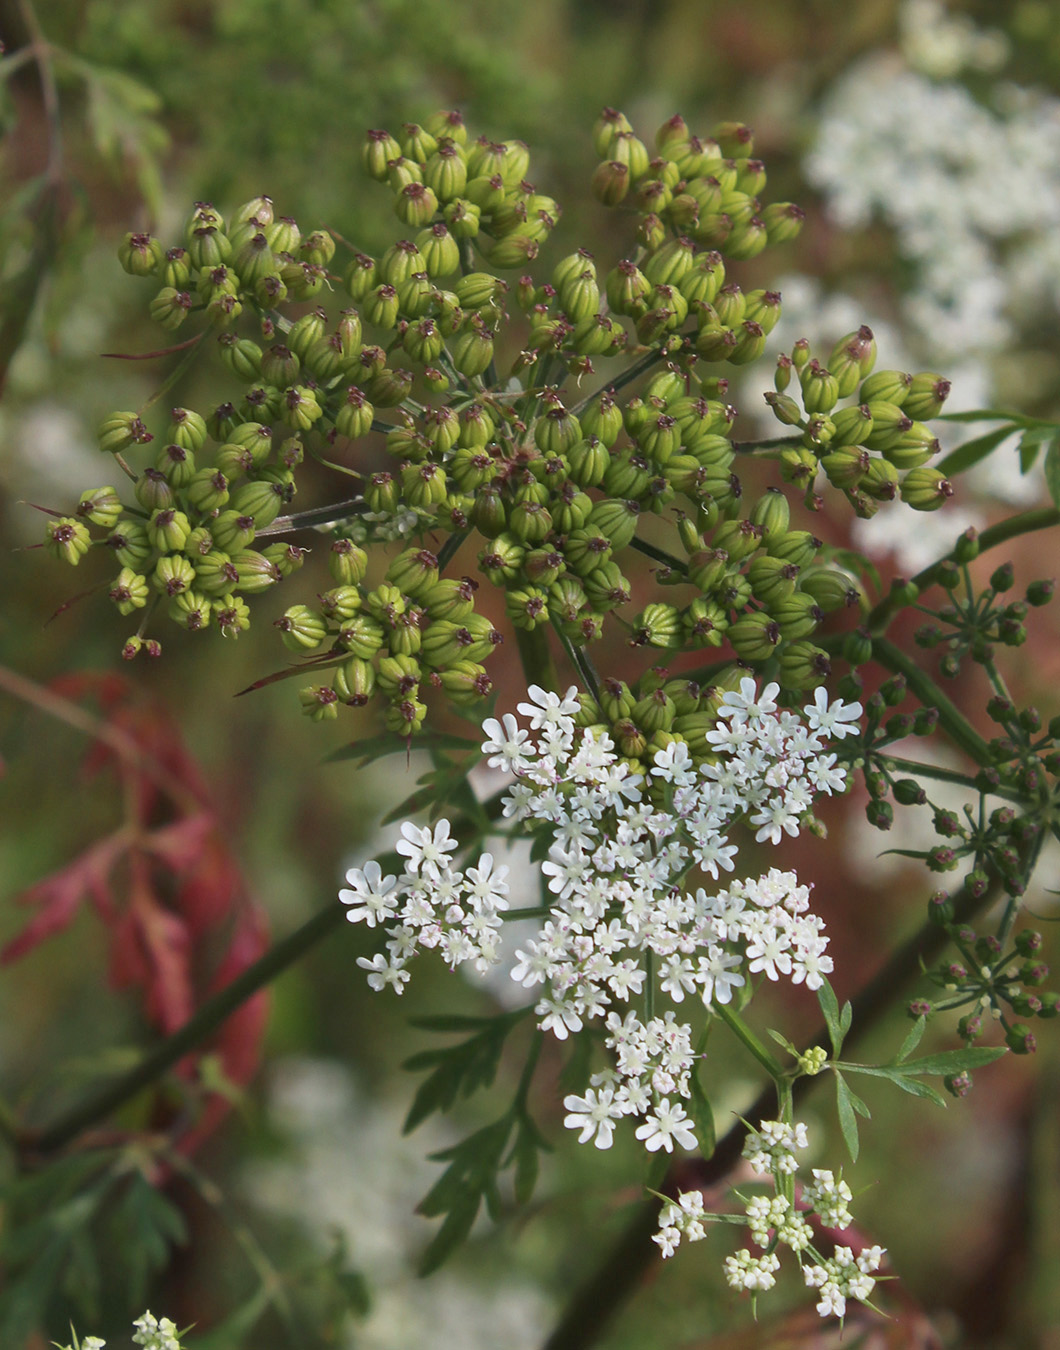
332,514
536,657
658,555
769,443
580,661
749,1040
449,549
198,1027
953,721
933,771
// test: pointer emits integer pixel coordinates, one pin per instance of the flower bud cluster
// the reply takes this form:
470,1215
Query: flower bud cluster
875,448
775,1222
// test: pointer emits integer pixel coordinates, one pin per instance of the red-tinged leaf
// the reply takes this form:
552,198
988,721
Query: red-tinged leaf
59,896
180,846
333,657
151,356
151,948
209,892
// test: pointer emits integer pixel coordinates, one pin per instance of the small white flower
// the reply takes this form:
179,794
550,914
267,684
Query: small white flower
426,850
664,1125
374,895
594,1114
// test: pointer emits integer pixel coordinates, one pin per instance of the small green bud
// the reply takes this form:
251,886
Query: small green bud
120,430
925,489
302,629
129,591
100,506
319,702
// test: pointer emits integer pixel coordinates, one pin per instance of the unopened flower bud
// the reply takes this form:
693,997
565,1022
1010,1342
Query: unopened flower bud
925,489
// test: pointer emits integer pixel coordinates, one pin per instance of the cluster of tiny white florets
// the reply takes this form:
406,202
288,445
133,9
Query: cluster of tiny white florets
775,1222
622,923
150,1332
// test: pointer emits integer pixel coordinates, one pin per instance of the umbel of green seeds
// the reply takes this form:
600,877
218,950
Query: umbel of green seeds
480,396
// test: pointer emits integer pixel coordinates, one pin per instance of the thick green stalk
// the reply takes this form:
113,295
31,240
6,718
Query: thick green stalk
749,1040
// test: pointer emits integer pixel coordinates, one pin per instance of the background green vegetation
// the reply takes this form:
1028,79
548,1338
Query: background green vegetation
116,116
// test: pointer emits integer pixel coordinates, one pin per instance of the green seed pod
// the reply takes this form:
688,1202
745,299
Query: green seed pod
215,574
881,480
798,467
254,437
885,386
754,637
925,489
232,531
846,468
588,461
190,611
208,491
173,575
803,666
167,529
100,506
340,603
299,408
657,625
362,636
302,629
820,388
913,447
283,560
927,393
797,616
704,623
379,148
889,423
175,271
771,514
129,591
120,430
231,615
354,681
130,544
445,172
746,240
628,475
772,579
527,607
530,522
415,205
423,485
796,546
627,289
67,539
830,589
616,519
852,359
320,702
414,572
739,538
607,126
659,439
354,417
783,221
606,588
501,560
465,683
170,308
262,500
472,350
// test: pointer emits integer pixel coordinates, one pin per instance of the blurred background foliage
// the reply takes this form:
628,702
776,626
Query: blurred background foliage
117,115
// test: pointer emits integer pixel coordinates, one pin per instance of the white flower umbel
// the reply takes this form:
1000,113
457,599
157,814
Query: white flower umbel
628,920
775,1222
